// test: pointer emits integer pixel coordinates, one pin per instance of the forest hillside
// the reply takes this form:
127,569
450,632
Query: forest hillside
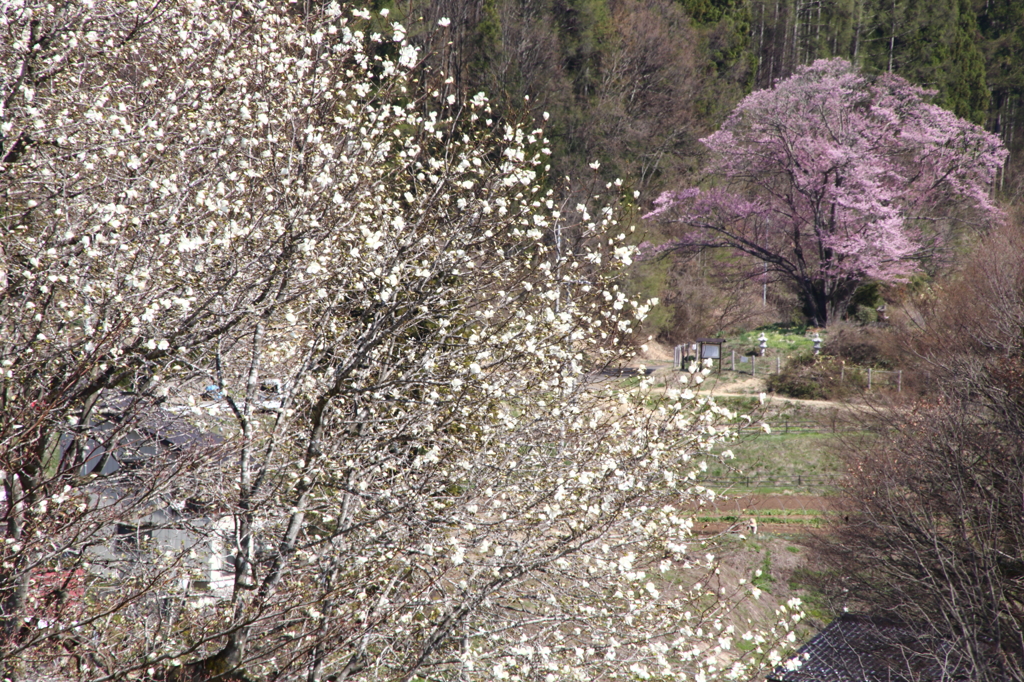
634,85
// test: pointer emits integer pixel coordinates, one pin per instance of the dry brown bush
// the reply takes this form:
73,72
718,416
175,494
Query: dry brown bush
930,530
867,346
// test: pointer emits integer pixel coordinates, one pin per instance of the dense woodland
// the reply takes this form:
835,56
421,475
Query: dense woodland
634,83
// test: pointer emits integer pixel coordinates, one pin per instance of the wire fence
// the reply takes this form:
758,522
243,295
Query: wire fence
748,364
879,377
756,365
816,482
784,425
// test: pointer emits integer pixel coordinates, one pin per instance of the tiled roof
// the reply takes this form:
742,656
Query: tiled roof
136,429
155,423
861,649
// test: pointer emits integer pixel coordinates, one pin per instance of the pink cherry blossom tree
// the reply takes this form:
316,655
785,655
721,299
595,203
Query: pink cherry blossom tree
832,178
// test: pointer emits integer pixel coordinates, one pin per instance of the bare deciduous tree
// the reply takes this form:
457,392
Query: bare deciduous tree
931,528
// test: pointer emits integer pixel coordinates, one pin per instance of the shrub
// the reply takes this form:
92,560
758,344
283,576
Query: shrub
823,377
865,314
864,346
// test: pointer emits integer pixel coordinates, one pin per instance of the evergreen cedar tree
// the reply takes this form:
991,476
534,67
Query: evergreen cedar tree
260,194
833,178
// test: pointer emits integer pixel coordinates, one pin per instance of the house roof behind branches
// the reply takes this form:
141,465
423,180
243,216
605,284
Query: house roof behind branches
158,425
135,428
857,648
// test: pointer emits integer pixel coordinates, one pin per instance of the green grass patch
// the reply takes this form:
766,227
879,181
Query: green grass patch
782,340
629,383
809,582
809,518
744,645
763,578
798,461
742,405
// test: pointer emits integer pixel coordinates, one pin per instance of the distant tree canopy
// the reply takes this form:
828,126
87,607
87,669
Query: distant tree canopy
635,84
630,83
931,43
832,178
575,58
970,51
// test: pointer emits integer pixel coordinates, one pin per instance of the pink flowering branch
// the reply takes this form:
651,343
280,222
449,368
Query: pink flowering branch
832,178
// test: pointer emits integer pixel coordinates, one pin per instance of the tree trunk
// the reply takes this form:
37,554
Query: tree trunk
815,303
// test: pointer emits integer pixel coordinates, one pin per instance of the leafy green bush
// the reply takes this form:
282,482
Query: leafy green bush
867,296
866,314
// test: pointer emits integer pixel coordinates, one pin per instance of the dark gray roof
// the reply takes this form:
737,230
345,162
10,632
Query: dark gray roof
862,649
157,424
137,428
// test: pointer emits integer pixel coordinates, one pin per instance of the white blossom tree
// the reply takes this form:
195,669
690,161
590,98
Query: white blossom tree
415,475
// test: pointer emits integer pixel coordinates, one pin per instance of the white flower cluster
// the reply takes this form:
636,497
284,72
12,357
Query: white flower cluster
241,195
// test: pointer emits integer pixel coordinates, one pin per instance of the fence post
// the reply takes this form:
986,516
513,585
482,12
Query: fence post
842,372
869,378
778,364
899,381
734,361
753,365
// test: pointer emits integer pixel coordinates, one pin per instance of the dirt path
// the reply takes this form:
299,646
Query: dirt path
729,384
773,400
772,512
754,503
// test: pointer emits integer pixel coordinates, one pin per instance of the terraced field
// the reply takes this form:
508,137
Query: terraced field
758,514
